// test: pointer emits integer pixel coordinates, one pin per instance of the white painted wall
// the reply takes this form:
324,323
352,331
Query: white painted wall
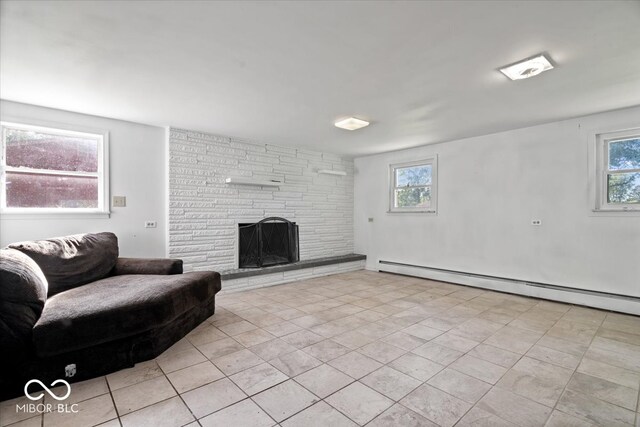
205,211
137,171
490,187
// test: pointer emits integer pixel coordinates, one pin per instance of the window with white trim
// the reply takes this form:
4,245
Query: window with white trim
47,170
413,186
618,180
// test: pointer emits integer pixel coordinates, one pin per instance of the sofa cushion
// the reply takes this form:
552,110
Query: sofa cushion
118,307
72,261
23,291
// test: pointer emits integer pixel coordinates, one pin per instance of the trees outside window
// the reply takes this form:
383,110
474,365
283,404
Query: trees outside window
413,186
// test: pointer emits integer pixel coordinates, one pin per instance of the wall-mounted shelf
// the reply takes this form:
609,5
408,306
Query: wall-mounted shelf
249,181
331,172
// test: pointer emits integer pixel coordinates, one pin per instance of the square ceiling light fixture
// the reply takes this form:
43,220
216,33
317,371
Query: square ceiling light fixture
527,68
351,123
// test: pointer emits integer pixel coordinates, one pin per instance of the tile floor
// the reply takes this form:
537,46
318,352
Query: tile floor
375,349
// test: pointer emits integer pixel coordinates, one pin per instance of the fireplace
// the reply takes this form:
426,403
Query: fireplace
268,242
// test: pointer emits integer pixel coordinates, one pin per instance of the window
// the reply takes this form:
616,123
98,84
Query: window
47,170
413,186
619,171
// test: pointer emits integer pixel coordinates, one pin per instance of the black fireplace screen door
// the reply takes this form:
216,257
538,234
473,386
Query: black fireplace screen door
268,242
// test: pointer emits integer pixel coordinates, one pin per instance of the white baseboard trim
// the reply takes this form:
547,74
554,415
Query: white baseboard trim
630,305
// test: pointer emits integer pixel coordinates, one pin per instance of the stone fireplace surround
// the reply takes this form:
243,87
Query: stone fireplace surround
204,210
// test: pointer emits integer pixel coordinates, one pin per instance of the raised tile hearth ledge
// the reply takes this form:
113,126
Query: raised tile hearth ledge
251,278
300,265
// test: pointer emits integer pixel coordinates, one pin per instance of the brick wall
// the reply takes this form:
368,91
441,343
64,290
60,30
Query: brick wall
204,211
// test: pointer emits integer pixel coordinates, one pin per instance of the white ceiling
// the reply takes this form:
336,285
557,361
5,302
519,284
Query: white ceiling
282,72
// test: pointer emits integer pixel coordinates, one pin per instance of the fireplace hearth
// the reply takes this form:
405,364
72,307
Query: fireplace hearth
272,241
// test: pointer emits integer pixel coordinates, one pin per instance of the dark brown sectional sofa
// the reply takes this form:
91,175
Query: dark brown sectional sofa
71,309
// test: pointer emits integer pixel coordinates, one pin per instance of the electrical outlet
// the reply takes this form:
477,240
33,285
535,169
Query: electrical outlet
536,222
150,224
119,202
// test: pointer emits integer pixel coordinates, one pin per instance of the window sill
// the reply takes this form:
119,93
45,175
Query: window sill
420,212
615,212
54,215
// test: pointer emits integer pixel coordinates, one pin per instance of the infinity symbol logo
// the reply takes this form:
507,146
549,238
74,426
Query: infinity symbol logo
26,392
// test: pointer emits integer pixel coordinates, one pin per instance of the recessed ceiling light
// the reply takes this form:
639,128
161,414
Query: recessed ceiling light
351,123
527,68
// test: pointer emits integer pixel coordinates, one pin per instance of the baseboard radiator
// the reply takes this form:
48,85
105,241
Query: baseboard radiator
604,300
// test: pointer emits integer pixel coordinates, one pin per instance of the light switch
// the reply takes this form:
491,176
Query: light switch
119,201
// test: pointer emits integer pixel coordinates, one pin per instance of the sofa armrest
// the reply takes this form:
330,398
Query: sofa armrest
162,266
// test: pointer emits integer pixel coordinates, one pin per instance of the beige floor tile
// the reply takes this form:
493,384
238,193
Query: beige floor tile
537,325
422,331
168,413
513,339
34,422
283,328
212,397
608,372
244,413
604,390
477,329
404,341
478,368
360,403
220,348
259,378
436,405
563,345
549,355
513,408
594,410
272,349
400,416
140,372
539,381
578,332
254,337
236,362
319,415
323,380
194,376
137,396
10,414
416,366
236,328
455,342
459,385
438,353
90,413
208,333
477,417
284,400
381,351
178,360
626,360
355,365
302,338
80,391
326,350
628,336
390,382
560,419
353,339
295,363
495,355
